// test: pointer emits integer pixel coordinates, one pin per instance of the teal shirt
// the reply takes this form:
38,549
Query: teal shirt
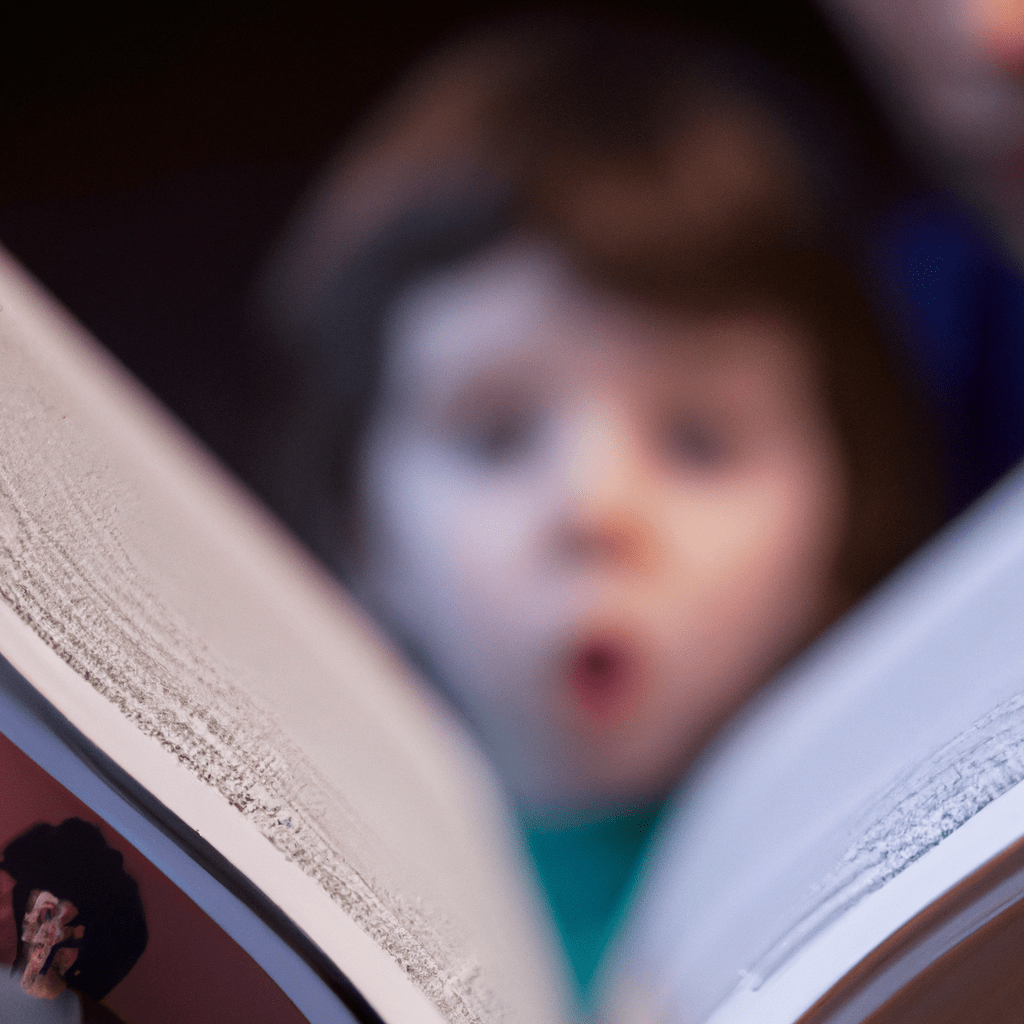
589,868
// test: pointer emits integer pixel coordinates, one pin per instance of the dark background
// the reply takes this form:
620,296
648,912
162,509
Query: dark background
150,153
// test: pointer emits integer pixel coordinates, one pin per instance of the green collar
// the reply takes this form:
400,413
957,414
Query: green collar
589,868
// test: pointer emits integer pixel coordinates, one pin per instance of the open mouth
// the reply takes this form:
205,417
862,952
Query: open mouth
602,675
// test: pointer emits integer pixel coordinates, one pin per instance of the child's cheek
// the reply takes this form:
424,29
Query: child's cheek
446,548
488,573
752,575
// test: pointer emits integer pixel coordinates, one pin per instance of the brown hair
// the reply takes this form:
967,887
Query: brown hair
675,171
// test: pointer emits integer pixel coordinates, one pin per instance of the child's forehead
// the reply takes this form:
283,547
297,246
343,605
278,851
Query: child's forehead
491,302
520,308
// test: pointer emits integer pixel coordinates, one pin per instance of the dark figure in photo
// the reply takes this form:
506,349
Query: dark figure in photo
81,924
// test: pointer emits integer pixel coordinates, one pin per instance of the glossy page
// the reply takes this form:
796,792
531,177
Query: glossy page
191,968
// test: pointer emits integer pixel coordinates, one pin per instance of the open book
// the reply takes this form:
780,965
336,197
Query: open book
314,839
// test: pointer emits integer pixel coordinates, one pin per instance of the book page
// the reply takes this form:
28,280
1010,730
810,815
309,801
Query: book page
857,789
165,614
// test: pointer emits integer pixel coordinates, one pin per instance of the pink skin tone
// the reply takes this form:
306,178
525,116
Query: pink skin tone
604,524
44,926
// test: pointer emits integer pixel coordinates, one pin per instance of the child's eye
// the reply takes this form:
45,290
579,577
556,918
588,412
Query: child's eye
696,443
497,436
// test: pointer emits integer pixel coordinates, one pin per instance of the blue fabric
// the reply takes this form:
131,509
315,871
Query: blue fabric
588,868
962,306
18,1008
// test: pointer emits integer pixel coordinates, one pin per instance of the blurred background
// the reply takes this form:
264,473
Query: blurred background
151,154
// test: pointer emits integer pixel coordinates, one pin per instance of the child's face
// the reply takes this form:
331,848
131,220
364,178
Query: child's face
603,525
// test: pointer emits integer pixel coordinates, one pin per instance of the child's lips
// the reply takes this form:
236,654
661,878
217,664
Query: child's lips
602,675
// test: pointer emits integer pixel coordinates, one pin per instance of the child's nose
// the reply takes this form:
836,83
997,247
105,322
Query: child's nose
599,516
